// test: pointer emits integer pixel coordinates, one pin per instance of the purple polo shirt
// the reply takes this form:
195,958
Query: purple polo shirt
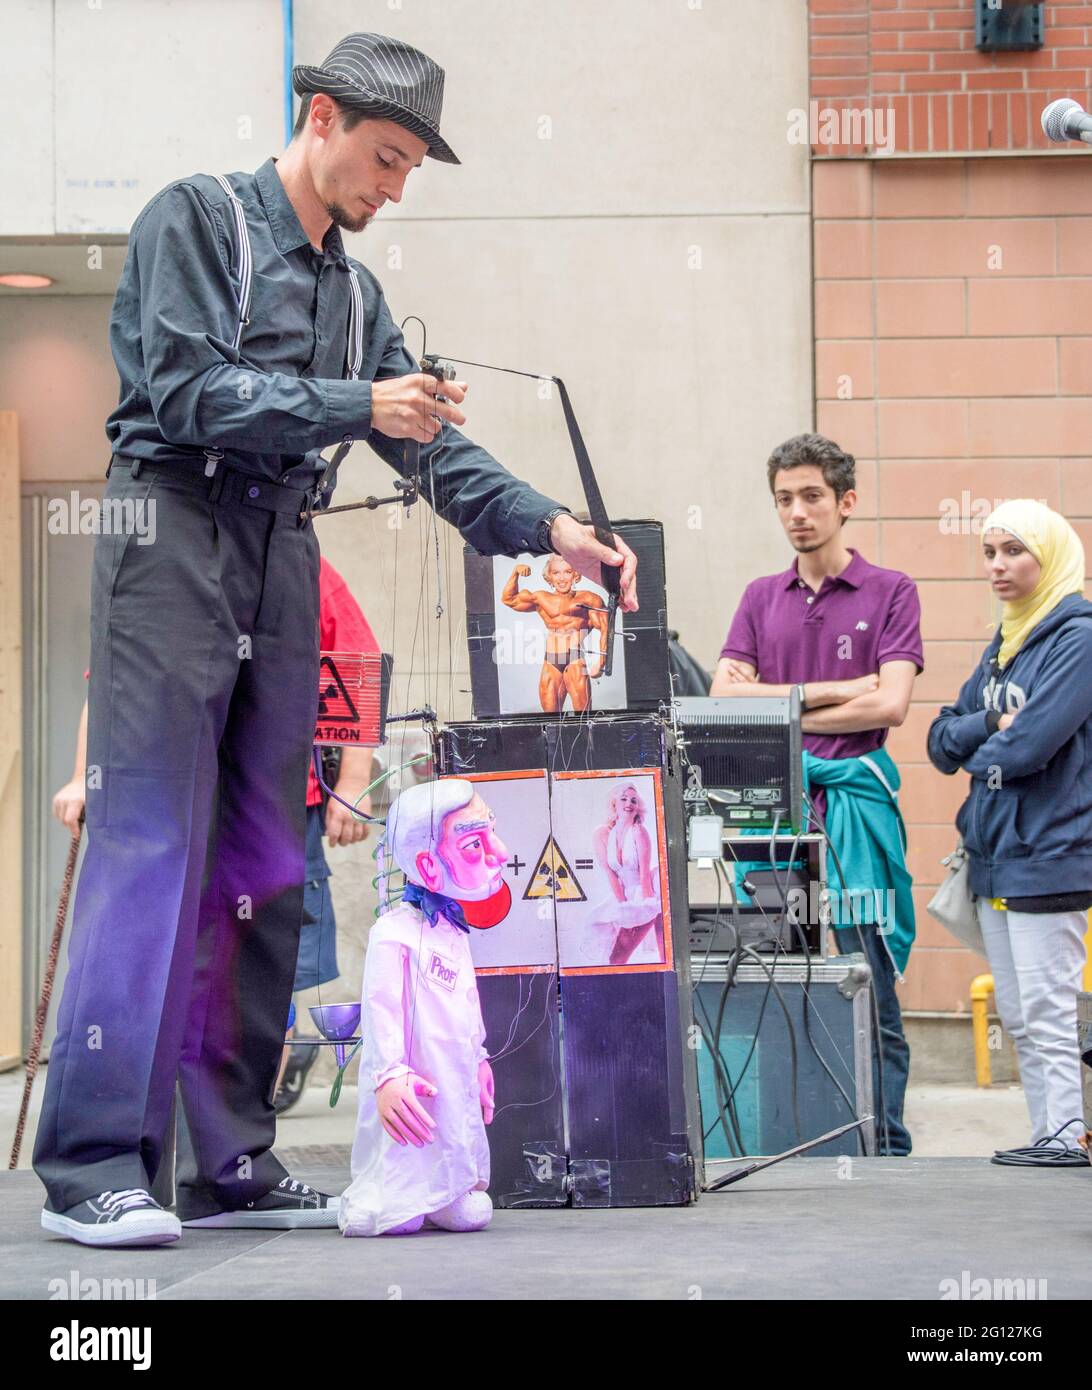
854,624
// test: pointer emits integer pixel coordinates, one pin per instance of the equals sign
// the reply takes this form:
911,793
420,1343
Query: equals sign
584,864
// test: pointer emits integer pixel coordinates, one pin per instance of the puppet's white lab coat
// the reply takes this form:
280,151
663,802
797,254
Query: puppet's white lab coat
420,1013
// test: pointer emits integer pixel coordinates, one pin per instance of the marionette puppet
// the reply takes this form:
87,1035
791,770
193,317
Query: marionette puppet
420,1157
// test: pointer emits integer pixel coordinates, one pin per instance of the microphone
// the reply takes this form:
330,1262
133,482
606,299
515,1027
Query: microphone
1065,119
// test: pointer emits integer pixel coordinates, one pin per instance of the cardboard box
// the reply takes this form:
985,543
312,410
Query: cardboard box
585,995
521,626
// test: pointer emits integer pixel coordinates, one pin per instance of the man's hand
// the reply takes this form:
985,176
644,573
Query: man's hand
522,571
68,804
401,1114
596,669
861,685
486,1092
576,543
342,827
735,672
1005,722
405,407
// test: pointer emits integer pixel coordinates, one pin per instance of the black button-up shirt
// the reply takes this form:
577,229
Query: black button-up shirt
280,397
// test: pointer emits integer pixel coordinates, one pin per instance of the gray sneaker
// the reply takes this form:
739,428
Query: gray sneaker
289,1206
127,1217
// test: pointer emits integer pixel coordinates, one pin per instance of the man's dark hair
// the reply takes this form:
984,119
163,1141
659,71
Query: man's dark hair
351,116
839,468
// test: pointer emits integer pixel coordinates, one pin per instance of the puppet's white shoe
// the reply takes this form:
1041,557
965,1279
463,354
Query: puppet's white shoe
472,1212
407,1228
367,1228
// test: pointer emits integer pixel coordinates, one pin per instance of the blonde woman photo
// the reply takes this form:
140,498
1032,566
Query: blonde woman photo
623,847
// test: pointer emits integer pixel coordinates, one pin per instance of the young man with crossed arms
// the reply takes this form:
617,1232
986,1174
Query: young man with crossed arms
846,634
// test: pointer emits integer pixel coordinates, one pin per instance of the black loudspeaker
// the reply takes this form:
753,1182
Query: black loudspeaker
585,985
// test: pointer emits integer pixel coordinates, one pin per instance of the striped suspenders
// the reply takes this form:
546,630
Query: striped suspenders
244,269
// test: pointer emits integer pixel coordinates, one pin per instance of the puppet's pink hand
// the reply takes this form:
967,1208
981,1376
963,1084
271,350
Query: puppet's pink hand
400,1114
486,1091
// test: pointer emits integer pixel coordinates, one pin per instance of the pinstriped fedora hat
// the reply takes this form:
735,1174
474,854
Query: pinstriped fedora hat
387,78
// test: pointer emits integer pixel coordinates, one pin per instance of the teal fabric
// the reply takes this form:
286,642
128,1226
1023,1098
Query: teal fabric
866,830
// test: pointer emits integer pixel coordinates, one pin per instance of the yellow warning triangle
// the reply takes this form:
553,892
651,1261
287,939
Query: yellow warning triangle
553,878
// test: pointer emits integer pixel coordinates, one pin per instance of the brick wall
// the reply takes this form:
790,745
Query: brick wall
953,323
919,58
953,358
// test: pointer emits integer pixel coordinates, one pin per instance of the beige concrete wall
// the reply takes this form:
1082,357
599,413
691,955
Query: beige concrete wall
26,78
629,215
653,252
11,747
57,374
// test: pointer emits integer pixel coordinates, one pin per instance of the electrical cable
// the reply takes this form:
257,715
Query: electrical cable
725,1087
806,999
794,1061
720,1066
783,895
875,1010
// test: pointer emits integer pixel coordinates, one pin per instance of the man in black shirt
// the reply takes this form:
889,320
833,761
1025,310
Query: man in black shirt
243,348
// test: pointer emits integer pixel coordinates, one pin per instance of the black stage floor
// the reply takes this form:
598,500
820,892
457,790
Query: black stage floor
807,1229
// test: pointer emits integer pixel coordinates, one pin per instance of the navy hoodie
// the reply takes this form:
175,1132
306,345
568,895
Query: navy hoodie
1027,823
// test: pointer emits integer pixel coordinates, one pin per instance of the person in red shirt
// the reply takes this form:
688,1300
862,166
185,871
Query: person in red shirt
342,628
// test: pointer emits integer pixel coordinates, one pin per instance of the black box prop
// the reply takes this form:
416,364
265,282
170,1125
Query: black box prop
592,1041
508,644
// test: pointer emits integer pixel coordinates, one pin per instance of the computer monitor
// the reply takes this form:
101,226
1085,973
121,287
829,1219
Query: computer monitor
745,758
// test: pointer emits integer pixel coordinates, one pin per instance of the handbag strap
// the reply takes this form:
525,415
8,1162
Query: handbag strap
956,859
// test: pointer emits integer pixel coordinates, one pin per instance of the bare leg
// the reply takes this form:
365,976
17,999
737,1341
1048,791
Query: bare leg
551,691
627,941
578,685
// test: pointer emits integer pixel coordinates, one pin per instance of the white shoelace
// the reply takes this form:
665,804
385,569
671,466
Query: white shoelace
128,1197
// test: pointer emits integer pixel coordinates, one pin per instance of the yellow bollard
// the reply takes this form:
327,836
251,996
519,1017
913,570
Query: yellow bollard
981,989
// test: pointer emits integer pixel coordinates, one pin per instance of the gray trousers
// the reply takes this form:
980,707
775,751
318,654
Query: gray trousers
202,703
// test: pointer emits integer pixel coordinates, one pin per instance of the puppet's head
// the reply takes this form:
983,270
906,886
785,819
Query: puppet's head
441,835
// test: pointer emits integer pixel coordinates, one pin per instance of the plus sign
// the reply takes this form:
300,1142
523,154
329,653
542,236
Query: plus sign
515,864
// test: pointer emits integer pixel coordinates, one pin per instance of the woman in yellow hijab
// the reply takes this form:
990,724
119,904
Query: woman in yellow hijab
1049,541
1022,728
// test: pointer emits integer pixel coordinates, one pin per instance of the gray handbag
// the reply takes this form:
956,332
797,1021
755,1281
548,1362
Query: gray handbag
952,905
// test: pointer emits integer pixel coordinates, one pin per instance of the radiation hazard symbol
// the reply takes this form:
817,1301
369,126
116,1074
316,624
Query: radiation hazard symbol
553,878
335,702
